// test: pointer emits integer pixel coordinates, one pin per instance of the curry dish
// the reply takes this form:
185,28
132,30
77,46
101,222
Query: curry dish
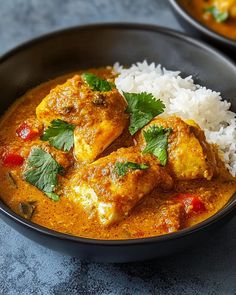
80,158
218,15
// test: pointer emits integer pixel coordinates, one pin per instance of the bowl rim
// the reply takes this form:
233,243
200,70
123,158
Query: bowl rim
226,210
200,26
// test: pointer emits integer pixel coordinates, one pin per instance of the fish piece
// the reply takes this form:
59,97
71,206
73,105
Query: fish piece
99,117
189,154
102,191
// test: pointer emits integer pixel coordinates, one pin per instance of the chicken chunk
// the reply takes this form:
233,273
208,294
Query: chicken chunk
189,155
101,190
99,116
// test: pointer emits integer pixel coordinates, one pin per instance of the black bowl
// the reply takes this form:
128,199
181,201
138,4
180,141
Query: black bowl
99,45
198,29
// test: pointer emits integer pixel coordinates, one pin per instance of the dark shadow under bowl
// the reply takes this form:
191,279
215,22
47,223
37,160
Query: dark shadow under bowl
198,29
99,45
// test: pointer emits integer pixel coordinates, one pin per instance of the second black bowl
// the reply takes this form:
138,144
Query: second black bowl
197,29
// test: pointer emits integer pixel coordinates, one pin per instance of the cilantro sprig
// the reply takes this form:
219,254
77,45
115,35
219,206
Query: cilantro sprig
156,138
121,168
96,83
142,107
60,134
41,171
219,16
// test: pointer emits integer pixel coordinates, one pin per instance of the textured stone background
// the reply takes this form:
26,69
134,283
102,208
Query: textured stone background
27,268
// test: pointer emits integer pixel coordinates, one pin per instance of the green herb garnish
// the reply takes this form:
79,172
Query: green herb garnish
143,107
41,171
60,134
96,83
156,138
53,196
122,168
220,17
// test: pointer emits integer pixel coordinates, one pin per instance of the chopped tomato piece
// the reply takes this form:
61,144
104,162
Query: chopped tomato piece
192,203
25,132
11,160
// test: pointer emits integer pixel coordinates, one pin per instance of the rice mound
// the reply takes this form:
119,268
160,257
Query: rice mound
187,100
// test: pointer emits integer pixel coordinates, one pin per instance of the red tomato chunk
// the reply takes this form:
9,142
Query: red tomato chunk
25,132
191,203
11,160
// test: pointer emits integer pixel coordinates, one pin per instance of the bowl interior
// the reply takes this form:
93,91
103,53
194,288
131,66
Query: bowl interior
101,45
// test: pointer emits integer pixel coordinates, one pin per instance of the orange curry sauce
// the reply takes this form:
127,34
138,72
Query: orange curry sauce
64,216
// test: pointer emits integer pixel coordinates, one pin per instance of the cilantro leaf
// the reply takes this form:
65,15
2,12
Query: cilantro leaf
143,107
96,83
122,168
60,134
53,196
218,16
156,138
41,171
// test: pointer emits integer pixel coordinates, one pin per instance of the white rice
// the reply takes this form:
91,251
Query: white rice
187,100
